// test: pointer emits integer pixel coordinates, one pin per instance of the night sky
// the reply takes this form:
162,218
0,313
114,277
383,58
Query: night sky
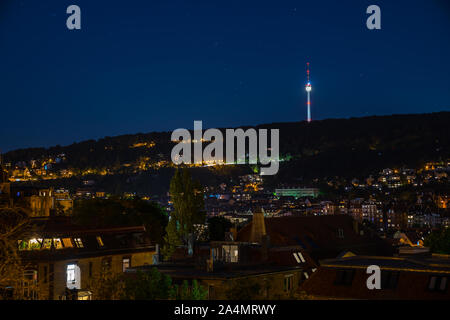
156,65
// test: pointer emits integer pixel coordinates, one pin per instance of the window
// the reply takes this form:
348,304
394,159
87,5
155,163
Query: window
288,281
34,244
45,274
23,245
90,269
100,241
106,263
67,243
47,244
437,283
211,292
299,257
73,276
230,253
78,242
389,279
126,263
84,295
57,243
344,277
71,273
29,285
341,233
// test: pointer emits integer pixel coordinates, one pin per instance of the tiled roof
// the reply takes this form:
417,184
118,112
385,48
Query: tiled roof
412,279
329,234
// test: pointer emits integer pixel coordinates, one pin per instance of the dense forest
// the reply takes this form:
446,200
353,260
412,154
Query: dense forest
352,147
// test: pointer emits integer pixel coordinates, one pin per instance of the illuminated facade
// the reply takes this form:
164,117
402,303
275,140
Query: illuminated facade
297,192
67,262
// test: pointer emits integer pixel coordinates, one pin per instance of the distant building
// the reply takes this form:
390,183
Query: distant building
42,202
371,212
297,192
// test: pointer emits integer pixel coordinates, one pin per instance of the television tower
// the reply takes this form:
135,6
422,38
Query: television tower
308,92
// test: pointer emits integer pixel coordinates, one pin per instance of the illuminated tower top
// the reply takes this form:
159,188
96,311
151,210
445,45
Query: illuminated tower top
308,93
308,83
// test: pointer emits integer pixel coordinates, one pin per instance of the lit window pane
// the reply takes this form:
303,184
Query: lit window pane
67,243
100,241
57,243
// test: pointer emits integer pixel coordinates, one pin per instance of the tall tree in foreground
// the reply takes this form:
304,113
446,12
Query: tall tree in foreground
188,203
12,270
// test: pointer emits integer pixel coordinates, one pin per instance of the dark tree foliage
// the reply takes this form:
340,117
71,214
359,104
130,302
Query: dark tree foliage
99,213
193,292
188,209
246,289
217,227
152,285
439,241
146,285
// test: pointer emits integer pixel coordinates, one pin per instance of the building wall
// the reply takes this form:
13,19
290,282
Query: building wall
53,285
41,206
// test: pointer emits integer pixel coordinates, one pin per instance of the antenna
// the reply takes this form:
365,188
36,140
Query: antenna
307,71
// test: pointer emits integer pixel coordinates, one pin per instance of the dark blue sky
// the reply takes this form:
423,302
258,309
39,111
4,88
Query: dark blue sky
152,65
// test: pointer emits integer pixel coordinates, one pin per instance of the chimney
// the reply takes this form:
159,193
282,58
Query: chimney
258,226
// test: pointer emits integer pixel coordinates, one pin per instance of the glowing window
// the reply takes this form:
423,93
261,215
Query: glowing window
125,264
47,244
71,273
23,245
57,243
67,243
230,253
106,263
100,241
78,242
34,244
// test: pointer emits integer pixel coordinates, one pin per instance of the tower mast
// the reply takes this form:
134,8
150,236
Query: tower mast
308,93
